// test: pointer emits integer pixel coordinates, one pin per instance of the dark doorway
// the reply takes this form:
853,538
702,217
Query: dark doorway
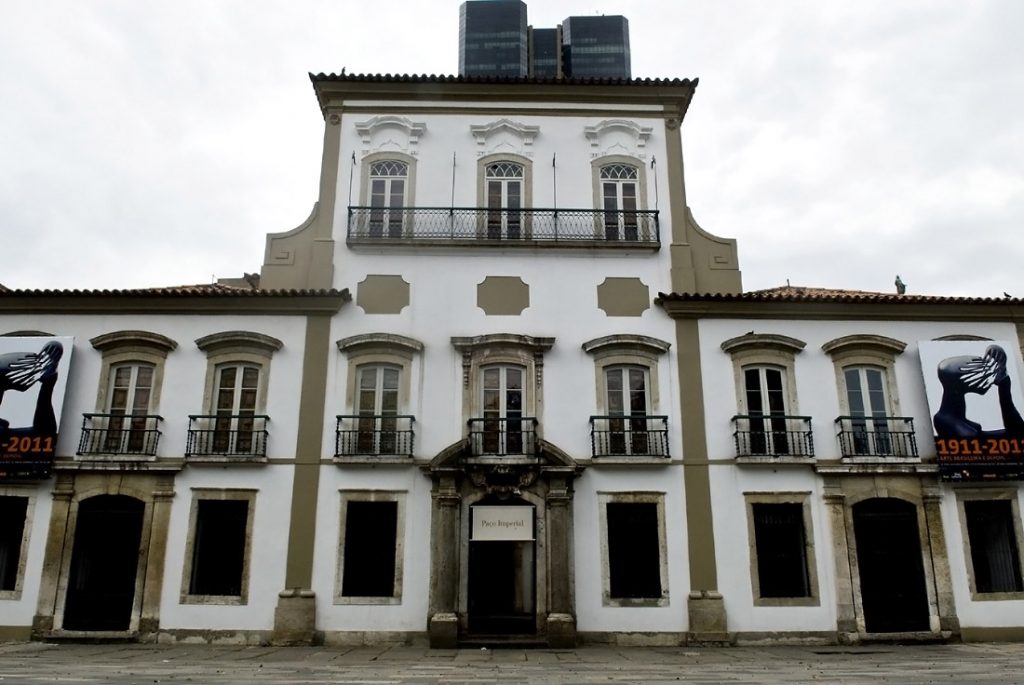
104,564
892,582
501,588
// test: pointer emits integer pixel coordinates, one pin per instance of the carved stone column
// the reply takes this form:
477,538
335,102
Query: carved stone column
846,606
561,623
444,563
948,620
63,490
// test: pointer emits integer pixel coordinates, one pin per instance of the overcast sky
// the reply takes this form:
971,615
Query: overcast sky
841,142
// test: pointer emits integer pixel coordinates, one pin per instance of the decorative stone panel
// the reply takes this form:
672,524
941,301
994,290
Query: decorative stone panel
378,294
623,297
502,295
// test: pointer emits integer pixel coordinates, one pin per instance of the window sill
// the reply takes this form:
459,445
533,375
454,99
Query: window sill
787,602
101,463
996,596
882,466
626,460
782,460
490,244
374,459
368,600
224,459
642,603
217,600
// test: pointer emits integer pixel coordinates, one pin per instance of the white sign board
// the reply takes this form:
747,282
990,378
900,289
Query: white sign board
502,523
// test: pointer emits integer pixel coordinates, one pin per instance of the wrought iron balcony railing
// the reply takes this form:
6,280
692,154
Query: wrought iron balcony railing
118,433
870,436
359,435
228,435
503,436
507,227
773,435
632,436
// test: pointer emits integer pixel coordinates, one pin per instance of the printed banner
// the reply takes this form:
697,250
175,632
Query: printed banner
502,523
974,394
33,379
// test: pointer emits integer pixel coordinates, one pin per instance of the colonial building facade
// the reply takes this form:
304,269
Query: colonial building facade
501,386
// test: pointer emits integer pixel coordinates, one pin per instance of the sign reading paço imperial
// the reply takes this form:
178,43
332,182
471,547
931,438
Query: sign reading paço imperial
974,393
33,379
502,523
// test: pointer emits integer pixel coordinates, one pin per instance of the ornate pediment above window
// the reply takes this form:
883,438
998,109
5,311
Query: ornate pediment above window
504,135
389,132
618,136
502,347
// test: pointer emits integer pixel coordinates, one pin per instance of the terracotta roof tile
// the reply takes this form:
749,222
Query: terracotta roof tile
448,78
795,293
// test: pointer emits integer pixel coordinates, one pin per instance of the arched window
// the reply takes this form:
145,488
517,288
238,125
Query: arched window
504,182
619,183
388,180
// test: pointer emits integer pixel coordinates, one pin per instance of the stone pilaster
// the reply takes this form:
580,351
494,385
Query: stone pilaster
846,606
948,620
53,557
443,626
561,623
149,618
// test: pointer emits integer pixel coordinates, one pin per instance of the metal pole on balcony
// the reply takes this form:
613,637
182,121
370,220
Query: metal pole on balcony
351,175
451,212
554,192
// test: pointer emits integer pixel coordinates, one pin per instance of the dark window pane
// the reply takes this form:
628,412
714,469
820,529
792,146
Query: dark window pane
781,550
218,551
12,528
370,543
994,552
634,560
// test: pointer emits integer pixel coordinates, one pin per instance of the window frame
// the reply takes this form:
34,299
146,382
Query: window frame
15,593
990,494
346,496
408,196
861,351
526,199
658,499
241,349
233,494
810,557
131,347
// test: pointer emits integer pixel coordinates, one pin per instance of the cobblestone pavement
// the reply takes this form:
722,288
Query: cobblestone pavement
69,664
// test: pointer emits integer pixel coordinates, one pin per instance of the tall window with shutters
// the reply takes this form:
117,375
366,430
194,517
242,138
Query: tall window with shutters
377,407
619,184
504,184
131,392
236,394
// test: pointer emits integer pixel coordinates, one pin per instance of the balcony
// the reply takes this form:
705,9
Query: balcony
373,435
887,437
773,435
474,226
629,436
503,437
233,436
119,434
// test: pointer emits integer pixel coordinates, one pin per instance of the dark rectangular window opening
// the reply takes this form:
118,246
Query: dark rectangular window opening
634,560
371,537
993,543
781,543
12,528
218,553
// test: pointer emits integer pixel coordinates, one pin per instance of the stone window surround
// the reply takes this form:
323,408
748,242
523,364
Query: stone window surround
632,497
481,180
19,579
764,350
607,160
237,348
502,348
220,494
364,175
865,351
625,350
131,346
380,349
803,499
986,494
347,496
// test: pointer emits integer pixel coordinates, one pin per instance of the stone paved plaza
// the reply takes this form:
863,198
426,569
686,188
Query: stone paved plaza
69,664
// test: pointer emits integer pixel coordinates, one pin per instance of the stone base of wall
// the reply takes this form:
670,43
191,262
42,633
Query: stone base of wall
295,618
374,638
621,639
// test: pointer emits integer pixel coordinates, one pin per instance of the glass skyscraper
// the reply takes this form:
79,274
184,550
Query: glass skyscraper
596,47
496,40
493,38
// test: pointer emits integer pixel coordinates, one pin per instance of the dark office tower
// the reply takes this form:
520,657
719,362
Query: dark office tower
492,38
596,47
545,53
